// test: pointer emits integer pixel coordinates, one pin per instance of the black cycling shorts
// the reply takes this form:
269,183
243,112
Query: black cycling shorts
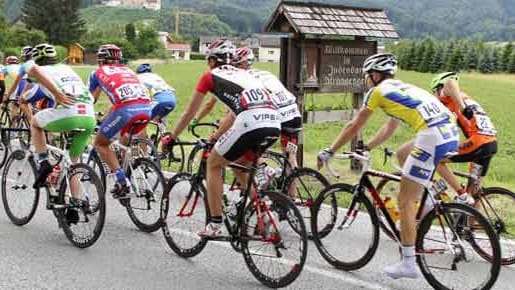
250,141
482,156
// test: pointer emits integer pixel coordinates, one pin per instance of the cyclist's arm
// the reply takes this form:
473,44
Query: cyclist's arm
384,134
24,92
351,129
452,89
13,87
208,107
96,93
46,82
225,124
189,113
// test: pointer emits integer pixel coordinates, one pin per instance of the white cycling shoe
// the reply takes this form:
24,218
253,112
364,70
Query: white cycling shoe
403,269
212,230
465,199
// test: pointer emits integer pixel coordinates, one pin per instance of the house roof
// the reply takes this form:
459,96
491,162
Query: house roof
178,46
326,19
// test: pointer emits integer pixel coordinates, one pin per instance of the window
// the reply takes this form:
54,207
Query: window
271,52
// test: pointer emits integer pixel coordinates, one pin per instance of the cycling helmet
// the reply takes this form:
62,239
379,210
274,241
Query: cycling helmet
26,53
381,62
11,60
144,68
109,52
442,78
243,54
222,50
43,51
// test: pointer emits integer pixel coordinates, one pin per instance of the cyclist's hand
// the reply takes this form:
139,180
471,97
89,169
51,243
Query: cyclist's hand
212,138
65,100
468,112
323,156
167,142
192,124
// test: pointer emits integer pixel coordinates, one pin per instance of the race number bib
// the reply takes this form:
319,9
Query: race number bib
431,112
130,91
485,125
255,98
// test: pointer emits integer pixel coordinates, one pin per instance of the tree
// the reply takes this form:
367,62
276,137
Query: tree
59,19
455,61
147,41
130,32
511,63
437,61
19,35
470,59
502,64
429,51
485,64
409,56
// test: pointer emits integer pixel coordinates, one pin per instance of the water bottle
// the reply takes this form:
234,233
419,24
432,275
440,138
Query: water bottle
264,176
233,199
391,207
53,178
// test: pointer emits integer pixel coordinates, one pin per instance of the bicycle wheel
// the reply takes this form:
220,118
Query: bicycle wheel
19,198
173,161
497,204
93,160
391,188
184,213
303,186
4,150
194,159
143,147
355,226
445,254
149,184
89,203
274,245
276,162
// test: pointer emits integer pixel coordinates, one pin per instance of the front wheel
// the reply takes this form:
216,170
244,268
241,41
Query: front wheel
148,184
445,251
274,240
83,193
353,225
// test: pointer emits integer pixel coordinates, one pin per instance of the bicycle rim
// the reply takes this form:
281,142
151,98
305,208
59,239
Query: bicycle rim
184,213
91,209
274,244
355,226
445,254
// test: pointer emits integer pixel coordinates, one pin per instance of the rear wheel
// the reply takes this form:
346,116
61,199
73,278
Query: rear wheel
274,244
148,184
172,162
445,251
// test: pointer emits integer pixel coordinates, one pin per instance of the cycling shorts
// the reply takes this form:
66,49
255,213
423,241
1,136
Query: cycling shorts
166,103
35,94
431,145
249,130
63,119
295,123
120,120
482,155
289,113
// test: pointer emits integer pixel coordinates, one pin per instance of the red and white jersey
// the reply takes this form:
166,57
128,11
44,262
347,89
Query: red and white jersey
236,88
120,83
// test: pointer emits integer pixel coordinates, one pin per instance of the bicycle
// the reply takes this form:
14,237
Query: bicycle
495,203
444,234
21,200
8,136
144,187
256,222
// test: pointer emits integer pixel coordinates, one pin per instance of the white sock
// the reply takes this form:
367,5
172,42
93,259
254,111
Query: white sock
408,254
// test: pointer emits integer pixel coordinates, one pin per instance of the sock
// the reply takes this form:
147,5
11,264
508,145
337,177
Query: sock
216,219
408,254
120,176
42,156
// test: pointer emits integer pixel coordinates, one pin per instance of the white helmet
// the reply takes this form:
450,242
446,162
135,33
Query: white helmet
381,62
222,50
243,54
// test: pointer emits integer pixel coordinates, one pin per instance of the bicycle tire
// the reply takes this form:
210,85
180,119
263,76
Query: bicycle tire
170,161
4,152
276,161
280,202
498,219
427,224
99,207
323,244
197,192
149,197
194,159
27,216
307,202
98,166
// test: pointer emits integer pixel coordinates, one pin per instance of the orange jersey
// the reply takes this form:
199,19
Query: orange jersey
480,124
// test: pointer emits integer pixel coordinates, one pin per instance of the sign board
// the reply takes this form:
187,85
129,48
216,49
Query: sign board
336,66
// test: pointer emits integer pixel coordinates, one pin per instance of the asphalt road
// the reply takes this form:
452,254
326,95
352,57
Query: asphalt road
38,256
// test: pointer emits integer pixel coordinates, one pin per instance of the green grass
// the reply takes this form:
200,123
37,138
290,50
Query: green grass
494,92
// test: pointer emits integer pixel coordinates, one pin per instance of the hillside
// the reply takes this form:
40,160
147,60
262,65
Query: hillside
489,19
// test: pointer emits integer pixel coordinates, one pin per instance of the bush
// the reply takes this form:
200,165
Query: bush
19,35
62,53
12,51
197,56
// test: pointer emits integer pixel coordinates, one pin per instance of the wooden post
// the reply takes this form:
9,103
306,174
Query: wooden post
357,103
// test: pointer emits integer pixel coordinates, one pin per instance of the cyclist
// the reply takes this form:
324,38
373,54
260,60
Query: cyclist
436,135
74,110
130,103
252,118
11,70
163,94
481,143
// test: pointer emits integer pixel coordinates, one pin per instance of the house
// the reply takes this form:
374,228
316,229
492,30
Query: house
176,50
76,54
269,48
149,4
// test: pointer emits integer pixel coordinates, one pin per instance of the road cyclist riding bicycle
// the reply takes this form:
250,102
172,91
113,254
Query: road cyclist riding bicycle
74,110
436,136
251,120
481,143
130,105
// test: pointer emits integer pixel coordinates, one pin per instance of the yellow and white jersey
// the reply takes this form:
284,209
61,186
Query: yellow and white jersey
408,103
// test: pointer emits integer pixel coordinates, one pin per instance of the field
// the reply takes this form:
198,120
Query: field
495,93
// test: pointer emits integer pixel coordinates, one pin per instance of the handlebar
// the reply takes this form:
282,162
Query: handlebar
212,125
361,156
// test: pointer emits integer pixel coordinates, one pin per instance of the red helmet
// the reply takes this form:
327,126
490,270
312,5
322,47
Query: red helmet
11,60
222,50
243,54
109,52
